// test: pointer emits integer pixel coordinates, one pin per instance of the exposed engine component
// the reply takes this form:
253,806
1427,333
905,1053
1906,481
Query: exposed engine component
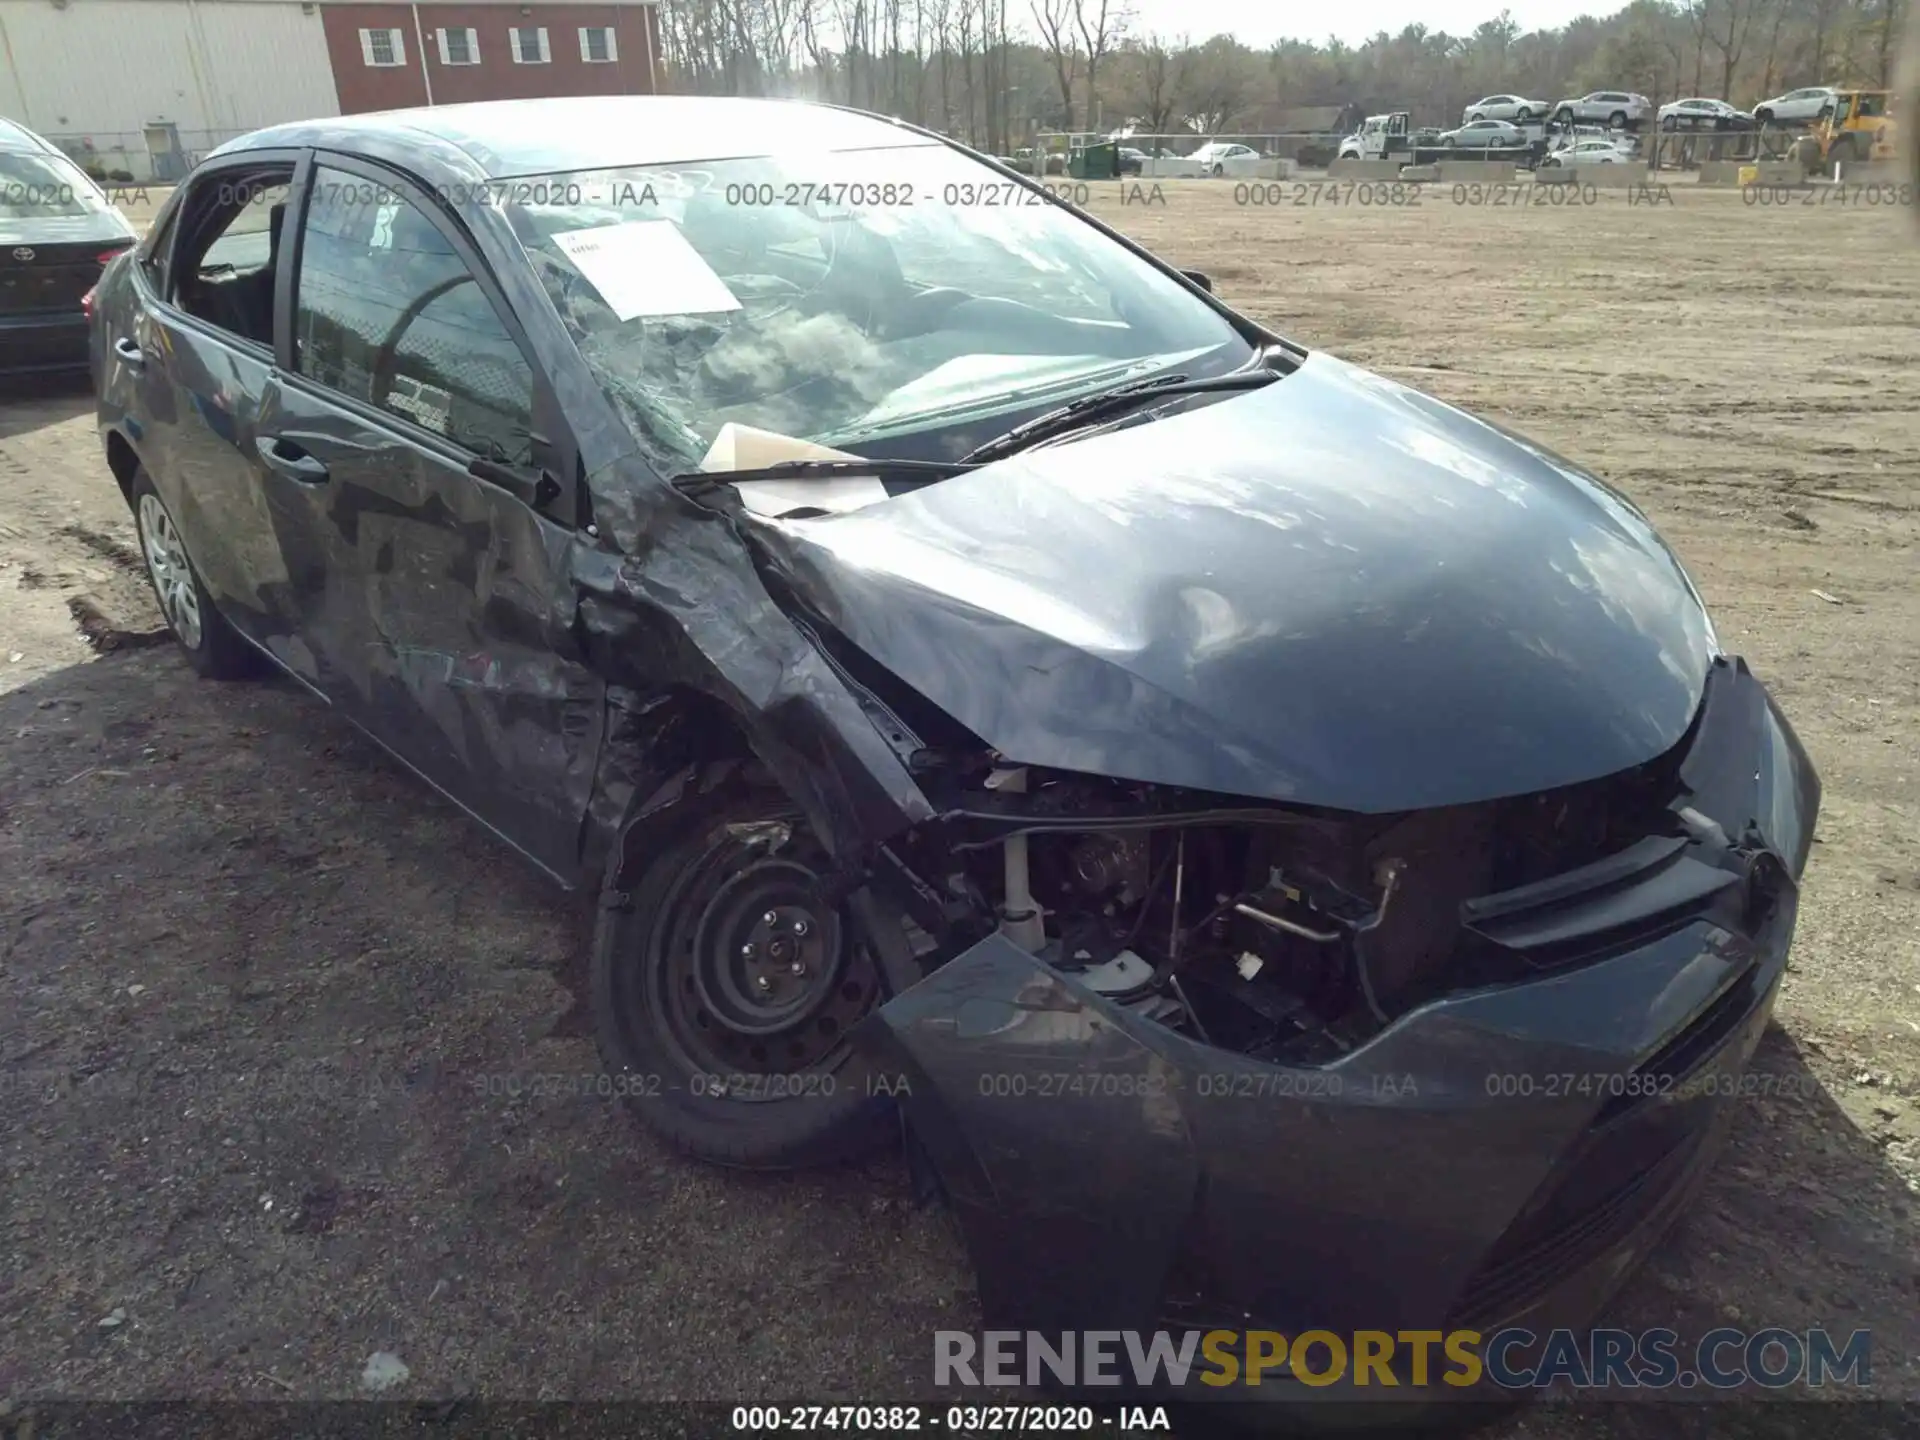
1115,864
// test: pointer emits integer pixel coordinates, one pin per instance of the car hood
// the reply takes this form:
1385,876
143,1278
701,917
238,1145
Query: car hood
1334,591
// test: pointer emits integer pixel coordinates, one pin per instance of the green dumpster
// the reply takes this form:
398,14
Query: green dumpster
1095,162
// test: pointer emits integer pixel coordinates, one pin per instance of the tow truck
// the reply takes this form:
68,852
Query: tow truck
1392,137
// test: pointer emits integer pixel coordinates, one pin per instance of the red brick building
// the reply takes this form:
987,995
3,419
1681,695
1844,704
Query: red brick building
387,57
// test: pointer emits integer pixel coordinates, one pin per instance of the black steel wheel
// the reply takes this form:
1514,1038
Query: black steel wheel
725,995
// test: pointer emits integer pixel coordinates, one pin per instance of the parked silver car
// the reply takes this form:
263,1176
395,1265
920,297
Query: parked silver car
1483,135
1701,113
1618,108
1504,107
1797,107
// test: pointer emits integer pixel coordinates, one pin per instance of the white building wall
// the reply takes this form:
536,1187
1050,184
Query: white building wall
104,70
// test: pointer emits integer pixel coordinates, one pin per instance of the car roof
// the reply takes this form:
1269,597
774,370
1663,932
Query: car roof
15,136
504,138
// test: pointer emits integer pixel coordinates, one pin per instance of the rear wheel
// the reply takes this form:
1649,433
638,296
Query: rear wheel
1563,115
1523,114
212,646
1763,115
724,995
1617,120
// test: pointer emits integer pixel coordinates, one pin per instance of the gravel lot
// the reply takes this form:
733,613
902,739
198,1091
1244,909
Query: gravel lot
258,989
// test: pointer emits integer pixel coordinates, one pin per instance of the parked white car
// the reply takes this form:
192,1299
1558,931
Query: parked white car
1797,107
1504,107
1701,113
1589,152
1617,108
1223,157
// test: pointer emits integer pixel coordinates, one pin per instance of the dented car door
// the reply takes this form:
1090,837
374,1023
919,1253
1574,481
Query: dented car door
427,604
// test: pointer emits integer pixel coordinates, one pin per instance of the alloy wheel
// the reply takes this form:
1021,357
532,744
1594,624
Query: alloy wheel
173,579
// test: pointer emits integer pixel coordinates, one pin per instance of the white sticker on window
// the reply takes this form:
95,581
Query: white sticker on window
383,227
646,267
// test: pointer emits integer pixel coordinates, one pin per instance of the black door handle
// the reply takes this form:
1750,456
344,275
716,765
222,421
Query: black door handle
284,457
129,353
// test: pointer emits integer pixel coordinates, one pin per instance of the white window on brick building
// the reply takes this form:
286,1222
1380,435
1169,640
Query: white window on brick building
530,45
597,44
382,48
460,46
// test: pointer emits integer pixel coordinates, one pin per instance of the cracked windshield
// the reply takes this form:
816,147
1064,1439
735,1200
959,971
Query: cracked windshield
879,295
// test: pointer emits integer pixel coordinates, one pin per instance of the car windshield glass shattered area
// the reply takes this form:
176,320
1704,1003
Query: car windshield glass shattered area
840,298
45,187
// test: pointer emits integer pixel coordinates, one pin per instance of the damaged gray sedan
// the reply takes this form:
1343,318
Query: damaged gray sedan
1283,851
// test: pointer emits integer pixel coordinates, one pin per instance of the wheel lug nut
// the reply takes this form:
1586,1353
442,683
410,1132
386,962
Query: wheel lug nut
761,982
772,917
746,951
798,968
799,927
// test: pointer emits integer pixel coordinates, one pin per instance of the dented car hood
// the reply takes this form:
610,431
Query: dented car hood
1334,591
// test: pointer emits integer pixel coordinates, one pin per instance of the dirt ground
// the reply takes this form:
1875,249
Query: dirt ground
259,992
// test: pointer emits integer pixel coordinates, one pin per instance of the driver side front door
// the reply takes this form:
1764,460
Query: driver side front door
405,440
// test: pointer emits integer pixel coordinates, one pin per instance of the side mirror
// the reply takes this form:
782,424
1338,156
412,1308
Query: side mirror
1200,278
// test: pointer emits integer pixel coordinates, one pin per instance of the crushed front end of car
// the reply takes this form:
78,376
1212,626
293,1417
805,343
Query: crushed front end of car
1327,873
1451,1070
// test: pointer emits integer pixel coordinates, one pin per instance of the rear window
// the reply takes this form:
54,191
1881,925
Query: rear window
36,187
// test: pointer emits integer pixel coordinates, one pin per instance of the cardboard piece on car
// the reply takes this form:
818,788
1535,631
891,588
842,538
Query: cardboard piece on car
742,447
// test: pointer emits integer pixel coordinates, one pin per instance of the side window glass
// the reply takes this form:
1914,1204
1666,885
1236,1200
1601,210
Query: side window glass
387,312
229,251
154,261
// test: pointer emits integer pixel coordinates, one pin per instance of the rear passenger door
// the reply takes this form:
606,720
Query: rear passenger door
195,369
423,450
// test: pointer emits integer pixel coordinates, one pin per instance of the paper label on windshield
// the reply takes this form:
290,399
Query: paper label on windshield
646,267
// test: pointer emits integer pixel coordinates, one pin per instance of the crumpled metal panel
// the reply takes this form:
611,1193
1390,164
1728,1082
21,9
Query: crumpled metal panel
1333,591
1105,1167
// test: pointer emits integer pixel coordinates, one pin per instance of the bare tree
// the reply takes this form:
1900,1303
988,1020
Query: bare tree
1101,24
1055,20
1157,96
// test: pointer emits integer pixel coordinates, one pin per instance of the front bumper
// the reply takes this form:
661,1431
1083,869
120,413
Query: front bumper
1504,1156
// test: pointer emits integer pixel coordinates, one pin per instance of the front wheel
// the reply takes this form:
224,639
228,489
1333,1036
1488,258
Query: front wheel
1669,124
212,646
1523,114
723,995
1563,116
1617,120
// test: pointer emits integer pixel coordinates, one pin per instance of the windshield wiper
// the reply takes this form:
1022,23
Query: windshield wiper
1089,408
703,482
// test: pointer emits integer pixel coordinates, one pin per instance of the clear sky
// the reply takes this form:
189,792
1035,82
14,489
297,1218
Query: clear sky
1259,22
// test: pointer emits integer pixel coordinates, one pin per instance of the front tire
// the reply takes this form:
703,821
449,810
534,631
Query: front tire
724,994
212,646
1523,114
1617,120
